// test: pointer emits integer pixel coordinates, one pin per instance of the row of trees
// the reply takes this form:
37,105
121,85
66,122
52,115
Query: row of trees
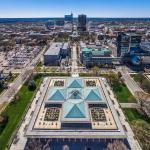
143,81
3,82
142,131
144,101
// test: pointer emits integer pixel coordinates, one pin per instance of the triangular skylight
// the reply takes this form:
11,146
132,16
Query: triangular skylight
93,95
58,95
76,83
75,112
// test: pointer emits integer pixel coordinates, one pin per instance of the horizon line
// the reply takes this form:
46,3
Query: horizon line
73,17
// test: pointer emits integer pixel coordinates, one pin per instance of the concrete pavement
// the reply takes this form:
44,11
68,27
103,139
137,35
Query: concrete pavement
74,68
129,105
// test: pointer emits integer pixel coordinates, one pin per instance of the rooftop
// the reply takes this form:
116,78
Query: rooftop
74,107
97,52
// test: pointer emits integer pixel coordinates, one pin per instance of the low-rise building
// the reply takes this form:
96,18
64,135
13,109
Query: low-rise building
55,53
102,56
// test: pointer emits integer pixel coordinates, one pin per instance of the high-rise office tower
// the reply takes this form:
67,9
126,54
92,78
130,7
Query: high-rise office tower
69,18
82,20
127,43
135,40
123,42
50,24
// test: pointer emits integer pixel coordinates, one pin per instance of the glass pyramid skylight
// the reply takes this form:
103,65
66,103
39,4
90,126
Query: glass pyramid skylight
75,83
74,110
57,95
92,95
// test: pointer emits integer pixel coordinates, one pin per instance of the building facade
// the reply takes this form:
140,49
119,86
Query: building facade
82,21
69,18
55,53
123,43
96,57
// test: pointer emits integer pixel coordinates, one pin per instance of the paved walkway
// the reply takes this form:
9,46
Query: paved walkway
130,135
131,84
74,68
129,105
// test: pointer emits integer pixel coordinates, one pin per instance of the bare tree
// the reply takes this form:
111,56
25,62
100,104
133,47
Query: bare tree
117,145
95,71
144,101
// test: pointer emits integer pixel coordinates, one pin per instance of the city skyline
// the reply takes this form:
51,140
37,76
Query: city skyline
58,8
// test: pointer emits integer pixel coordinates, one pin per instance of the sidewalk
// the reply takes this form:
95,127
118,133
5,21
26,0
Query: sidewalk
74,68
130,135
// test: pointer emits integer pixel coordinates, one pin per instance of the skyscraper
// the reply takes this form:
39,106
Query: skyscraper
127,43
69,18
123,42
82,20
135,41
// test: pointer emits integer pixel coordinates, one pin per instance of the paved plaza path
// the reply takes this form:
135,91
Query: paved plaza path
74,67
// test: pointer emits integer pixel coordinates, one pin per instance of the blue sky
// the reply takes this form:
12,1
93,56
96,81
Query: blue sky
57,8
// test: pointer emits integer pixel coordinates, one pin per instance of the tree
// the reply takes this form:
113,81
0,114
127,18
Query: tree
140,78
10,74
144,101
15,99
146,85
1,84
141,130
3,121
95,70
31,85
119,75
111,77
116,145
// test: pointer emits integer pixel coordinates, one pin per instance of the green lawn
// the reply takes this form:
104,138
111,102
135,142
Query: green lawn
16,111
56,74
91,74
1,90
135,77
122,93
140,125
132,115
144,83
